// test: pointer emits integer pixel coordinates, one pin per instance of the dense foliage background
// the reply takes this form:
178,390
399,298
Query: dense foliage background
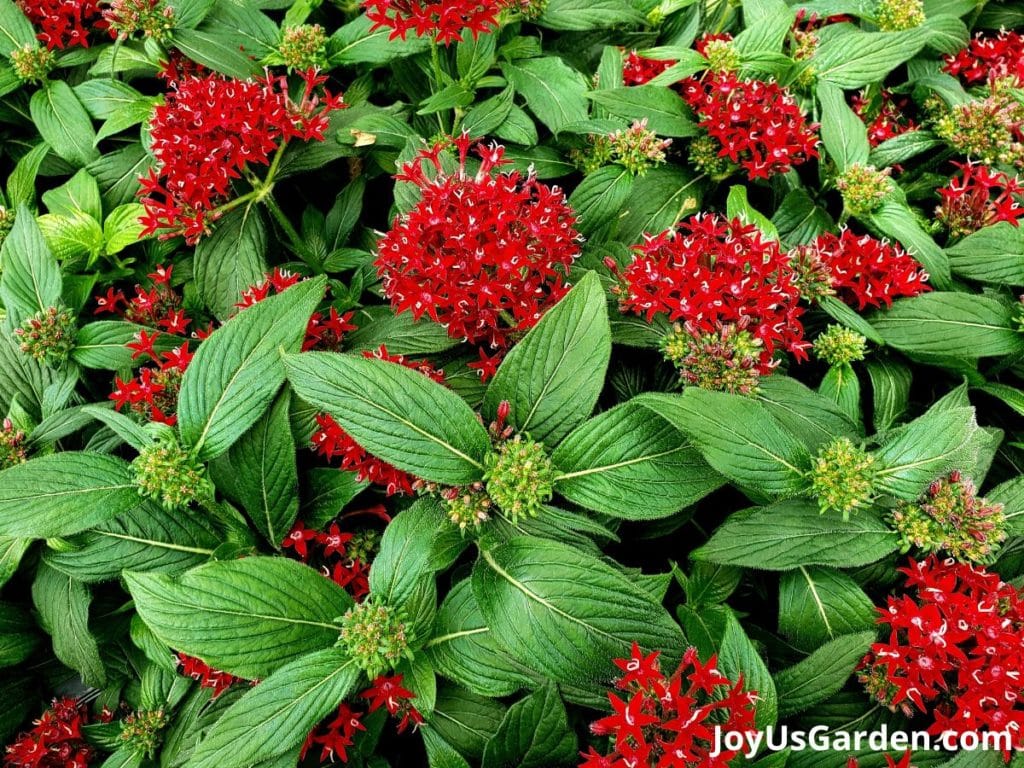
479,382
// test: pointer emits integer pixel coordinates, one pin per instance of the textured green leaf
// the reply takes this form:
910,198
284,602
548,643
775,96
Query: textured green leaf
792,533
990,255
738,437
554,92
582,15
395,413
821,674
843,133
236,371
566,613
63,605
599,197
658,200
61,119
146,538
64,493
820,604
275,716
629,462
15,29
231,259
533,734
246,617
738,657
950,324
896,221
664,109
102,344
812,418
259,471
855,58
466,721
552,378
890,386
18,635
31,279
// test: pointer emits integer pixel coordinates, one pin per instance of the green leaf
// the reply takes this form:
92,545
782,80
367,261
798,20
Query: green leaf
127,428
395,413
103,344
738,437
855,58
231,259
600,196
950,324
466,721
236,371
566,613
814,419
628,462
843,133
80,194
325,491
738,658
246,617
902,148
146,538
64,493
890,385
219,50
913,456
18,635
399,333
583,15
15,29
821,674
1011,495
792,533
275,716
553,377
554,92
739,207
464,650
11,552
72,238
533,734
658,200
664,109
31,280
441,754
409,551
61,119
990,255
259,471
820,604
355,44
841,385
63,606
765,27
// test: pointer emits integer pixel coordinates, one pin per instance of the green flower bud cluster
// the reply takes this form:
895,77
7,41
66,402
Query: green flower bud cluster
12,445
32,63
49,335
899,15
838,345
166,472
468,506
142,731
725,360
519,477
304,47
863,188
376,636
842,477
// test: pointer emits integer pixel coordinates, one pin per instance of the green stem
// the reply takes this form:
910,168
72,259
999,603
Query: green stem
295,243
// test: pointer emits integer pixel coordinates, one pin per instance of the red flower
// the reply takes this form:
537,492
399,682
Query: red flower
978,198
867,272
989,57
335,736
154,392
884,117
444,20
63,23
954,650
207,676
669,721
333,540
297,539
332,441
710,271
208,130
483,254
757,124
388,692
639,70
55,740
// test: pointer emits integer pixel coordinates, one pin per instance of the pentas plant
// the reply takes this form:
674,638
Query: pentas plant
569,393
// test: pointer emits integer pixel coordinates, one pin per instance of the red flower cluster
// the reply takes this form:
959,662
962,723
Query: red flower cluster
332,441
668,721
978,198
63,23
325,333
758,125
335,736
444,20
890,762
484,254
207,676
208,130
154,392
343,557
638,70
865,271
711,271
989,57
55,741
885,118
954,650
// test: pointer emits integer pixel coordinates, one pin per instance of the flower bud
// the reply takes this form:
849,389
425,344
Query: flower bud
166,472
519,477
838,345
863,187
842,477
48,336
375,635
